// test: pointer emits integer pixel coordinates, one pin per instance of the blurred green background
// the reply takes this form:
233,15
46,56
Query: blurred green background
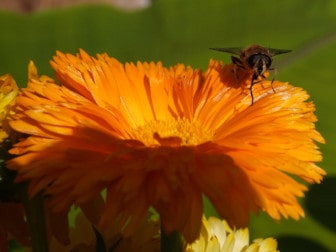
174,31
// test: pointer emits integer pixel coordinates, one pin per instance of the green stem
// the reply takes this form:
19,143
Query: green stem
34,209
172,242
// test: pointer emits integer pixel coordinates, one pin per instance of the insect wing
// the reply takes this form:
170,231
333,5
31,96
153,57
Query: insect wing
274,52
232,50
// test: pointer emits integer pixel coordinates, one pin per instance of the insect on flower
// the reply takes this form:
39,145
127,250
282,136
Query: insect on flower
253,58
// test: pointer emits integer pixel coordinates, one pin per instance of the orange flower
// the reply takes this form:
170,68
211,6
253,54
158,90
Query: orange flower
162,137
12,219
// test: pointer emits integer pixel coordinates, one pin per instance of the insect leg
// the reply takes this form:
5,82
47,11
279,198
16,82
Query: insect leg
254,77
237,61
237,64
274,70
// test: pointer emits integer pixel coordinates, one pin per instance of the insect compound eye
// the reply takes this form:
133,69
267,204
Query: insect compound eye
267,60
260,62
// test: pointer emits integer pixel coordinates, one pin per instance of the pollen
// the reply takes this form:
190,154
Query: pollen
172,132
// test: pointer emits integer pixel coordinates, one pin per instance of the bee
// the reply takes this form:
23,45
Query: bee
253,58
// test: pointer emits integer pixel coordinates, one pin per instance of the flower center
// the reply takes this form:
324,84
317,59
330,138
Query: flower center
172,132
